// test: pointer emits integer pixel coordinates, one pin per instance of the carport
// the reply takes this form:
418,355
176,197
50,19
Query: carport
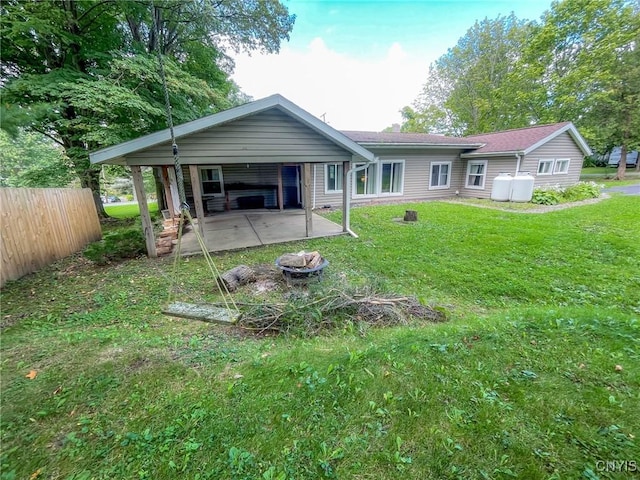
244,152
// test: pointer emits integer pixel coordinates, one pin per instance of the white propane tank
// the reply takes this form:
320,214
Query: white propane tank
522,187
501,189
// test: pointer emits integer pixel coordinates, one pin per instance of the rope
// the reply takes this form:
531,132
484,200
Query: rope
167,103
184,206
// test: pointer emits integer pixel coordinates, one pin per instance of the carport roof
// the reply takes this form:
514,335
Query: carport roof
274,101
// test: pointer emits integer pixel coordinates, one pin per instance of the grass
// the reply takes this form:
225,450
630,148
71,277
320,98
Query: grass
520,383
605,175
128,210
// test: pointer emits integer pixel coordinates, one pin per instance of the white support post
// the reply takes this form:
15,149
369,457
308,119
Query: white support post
346,206
306,175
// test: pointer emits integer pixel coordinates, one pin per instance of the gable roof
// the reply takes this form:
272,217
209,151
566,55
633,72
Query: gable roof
274,101
408,139
524,140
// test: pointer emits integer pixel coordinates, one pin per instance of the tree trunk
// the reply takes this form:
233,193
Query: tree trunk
91,179
88,174
622,165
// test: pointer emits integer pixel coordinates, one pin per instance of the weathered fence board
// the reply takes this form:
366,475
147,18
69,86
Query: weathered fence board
41,225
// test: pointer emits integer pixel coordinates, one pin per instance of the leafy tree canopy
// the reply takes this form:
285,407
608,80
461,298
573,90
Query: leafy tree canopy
32,160
84,72
579,63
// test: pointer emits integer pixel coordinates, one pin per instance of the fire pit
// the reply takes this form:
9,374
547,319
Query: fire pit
300,268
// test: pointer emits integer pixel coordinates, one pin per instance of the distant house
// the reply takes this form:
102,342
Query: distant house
270,153
614,157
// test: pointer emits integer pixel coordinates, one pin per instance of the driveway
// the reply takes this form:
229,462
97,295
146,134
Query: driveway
627,190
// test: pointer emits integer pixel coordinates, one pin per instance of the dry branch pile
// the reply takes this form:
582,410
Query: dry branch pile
336,308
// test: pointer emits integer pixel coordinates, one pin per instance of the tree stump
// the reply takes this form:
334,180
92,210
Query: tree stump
410,216
237,276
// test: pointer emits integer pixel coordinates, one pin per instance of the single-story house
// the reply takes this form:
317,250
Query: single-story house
271,153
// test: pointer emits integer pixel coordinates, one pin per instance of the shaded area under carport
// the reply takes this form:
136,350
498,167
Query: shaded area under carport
235,230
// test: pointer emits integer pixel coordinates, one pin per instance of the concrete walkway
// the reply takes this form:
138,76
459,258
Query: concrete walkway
235,230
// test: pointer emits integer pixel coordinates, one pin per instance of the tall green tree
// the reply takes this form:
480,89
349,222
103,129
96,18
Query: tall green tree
581,64
84,72
467,91
28,159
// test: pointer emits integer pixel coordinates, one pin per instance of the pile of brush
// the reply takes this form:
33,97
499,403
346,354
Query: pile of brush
312,313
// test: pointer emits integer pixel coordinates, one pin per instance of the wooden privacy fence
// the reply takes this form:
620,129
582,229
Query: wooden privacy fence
41,225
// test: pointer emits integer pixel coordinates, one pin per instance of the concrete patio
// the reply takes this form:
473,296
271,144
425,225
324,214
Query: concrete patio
234,230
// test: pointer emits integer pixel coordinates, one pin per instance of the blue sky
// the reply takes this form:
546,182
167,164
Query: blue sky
359,62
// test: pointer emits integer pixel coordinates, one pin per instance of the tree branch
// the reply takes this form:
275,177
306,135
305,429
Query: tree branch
48,135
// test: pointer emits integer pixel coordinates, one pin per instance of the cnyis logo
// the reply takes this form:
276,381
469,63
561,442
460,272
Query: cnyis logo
625,466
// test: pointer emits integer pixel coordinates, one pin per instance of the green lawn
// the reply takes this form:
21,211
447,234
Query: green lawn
605,174
129,210
535,375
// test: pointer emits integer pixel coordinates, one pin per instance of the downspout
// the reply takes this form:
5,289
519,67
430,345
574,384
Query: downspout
518,158
347,185
313,203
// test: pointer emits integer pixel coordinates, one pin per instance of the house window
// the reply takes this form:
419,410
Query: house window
545,167
561,166
391,177
476,173
333,176
440,175
211,180
365,180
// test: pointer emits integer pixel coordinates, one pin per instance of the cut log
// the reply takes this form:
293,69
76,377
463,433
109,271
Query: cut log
410,216
314,260
236,277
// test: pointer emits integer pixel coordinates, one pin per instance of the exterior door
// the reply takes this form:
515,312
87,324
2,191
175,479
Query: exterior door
291,186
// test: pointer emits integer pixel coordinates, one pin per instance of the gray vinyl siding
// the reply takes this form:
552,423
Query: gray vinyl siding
253,174
267,137
563,146
323,199
416,179
495,165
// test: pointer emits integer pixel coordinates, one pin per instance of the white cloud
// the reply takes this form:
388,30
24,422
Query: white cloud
354,93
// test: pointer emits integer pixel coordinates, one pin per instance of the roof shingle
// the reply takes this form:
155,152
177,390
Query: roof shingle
392,138
516,140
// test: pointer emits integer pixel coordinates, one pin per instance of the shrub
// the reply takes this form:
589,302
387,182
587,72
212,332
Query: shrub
572,193
546,196
121,244
581,191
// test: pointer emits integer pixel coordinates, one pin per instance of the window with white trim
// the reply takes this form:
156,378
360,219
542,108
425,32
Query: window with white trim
545,167
561,166
365,180
391,177
333,178
476,174
211,180
440,175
